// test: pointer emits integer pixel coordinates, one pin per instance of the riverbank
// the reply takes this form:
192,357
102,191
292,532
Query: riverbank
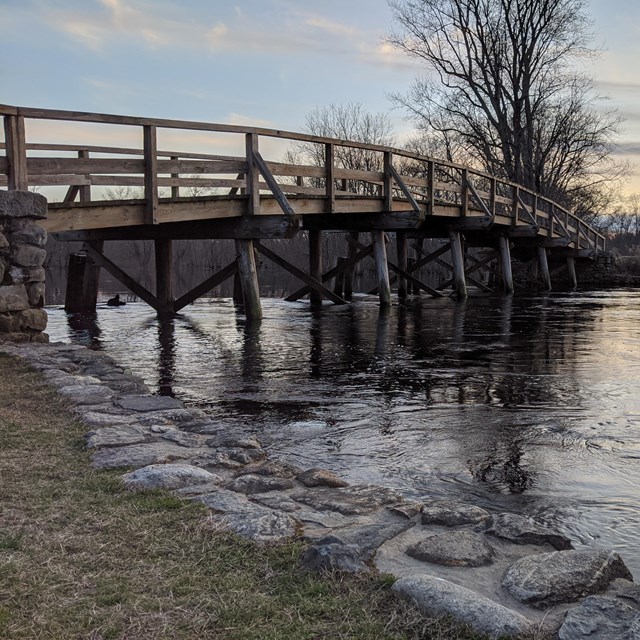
81,557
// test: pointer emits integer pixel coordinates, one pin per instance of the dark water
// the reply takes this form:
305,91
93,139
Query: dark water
530,404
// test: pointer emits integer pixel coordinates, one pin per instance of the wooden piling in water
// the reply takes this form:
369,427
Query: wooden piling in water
315,264
543,264
164,271
382,270
505,265
401,241
248,272
457,258
571,268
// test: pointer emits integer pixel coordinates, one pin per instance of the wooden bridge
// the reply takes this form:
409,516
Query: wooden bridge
252,197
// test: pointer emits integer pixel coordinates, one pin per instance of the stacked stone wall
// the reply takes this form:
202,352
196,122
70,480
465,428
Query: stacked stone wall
22,274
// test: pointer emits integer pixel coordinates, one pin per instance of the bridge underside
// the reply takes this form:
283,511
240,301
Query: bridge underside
227,217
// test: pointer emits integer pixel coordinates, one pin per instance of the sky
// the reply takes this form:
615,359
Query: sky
252,62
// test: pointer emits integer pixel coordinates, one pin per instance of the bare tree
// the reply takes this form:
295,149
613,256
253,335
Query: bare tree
503,87
346,122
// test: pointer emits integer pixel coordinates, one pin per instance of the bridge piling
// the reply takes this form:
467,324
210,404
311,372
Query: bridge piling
164,271
248,273
401,240
315,264
457,257
382,268
543,264
505,265
571,268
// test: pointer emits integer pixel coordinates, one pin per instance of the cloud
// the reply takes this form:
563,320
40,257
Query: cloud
629,148
248,121
330,26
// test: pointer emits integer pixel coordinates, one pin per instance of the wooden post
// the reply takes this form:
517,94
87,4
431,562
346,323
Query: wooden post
382,269
82,282
14,135
249,279
544,268
505,264
175,190
85,189
253,175
164,271
150,173
457,258
349,273
388,182
401,240
315,264
338,283
330,185
571,268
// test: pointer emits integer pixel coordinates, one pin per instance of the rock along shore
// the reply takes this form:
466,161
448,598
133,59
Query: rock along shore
503,574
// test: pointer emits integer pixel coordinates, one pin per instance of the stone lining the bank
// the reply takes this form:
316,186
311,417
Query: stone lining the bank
22,276
503,574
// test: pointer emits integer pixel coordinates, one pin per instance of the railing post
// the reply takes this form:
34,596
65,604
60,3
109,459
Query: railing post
175,190
330,184
14,135
464,205
493,192
388,182
253,175
85,189
150,173
516,206
431,186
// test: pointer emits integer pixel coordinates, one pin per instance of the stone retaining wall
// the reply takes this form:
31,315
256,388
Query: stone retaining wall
22,275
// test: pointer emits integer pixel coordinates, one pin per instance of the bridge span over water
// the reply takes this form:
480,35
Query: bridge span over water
251,194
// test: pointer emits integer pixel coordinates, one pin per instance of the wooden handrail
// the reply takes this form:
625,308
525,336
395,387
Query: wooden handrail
424,189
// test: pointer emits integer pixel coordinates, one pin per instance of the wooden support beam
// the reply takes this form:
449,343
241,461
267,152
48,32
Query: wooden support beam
82,283
164,271
175,190
150,174
543,265
127,280
253,175
342,268
72,193
248,272
330,183
401,242
275,188
298,273
382,268
388,181
16,149
471,279
571,268
414,281
205,286
85,189
315,264
352,241
505,264
457,257
338,284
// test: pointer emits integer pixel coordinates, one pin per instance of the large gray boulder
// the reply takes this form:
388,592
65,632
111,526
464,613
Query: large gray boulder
452,514
563,576
523,530
248,519
167,476
333,556
115,436
140,455
148,403
354,500
601,618
453,549
438,597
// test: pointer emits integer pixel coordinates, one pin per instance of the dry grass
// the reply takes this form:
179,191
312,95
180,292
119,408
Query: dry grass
82,558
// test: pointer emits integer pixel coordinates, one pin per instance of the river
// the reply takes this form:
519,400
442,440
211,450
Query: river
528,404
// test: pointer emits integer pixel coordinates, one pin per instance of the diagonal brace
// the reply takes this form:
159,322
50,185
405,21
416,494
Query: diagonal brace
298,273
123,277
206,285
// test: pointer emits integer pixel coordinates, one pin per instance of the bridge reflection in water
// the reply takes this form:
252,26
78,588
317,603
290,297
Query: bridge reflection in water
521,403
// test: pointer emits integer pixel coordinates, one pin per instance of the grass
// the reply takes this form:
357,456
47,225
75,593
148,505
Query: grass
80,557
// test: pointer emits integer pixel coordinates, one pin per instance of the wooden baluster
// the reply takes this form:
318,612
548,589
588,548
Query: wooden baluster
150,174
330,184
464,205
431,187
388,182
85,189
16,149
175,190
515,208
253,175
492,196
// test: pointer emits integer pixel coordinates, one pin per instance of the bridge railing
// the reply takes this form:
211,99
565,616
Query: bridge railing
389,178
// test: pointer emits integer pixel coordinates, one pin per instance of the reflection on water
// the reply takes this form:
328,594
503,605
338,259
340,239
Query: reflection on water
529,404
